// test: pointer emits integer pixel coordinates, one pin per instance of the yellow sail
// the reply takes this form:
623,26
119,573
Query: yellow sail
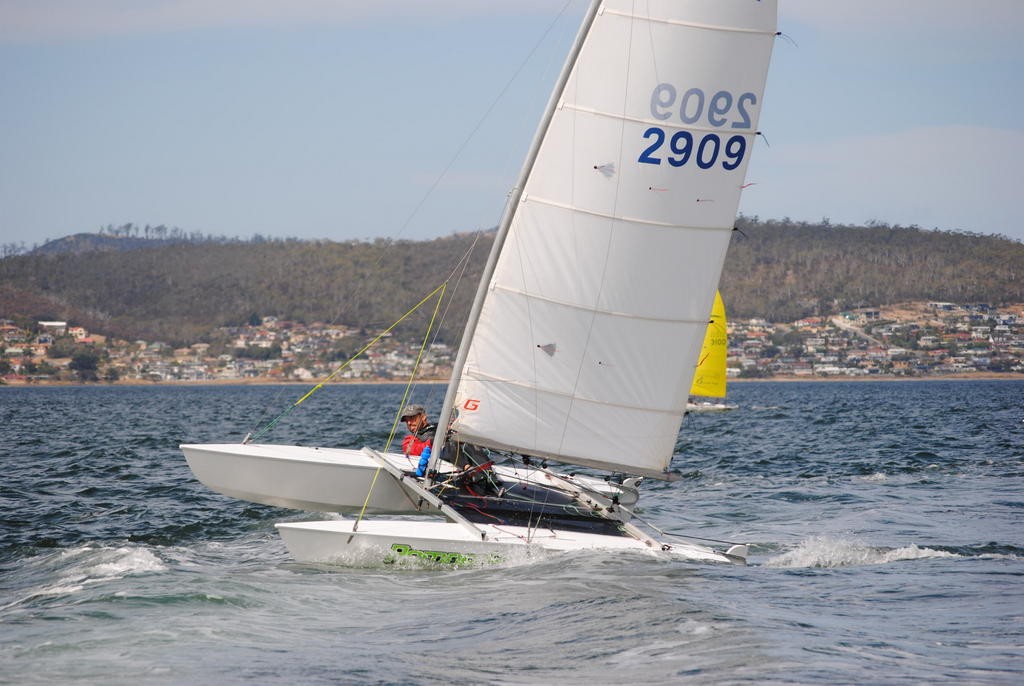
709,379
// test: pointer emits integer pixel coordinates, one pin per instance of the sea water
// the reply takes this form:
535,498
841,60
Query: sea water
885,522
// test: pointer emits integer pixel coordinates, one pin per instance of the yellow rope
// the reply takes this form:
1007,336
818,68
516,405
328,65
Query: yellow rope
416,366
440,289
367,501
405,395
381,335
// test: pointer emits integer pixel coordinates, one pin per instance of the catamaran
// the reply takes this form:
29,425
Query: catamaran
583,338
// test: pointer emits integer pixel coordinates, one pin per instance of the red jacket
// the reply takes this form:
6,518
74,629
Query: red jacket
412,445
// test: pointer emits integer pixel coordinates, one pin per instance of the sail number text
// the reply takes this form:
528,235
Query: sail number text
723,110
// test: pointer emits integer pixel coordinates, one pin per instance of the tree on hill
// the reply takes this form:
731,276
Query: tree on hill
85,363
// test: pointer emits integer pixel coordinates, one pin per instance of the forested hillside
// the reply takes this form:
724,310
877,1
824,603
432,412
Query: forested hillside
178,292
783,271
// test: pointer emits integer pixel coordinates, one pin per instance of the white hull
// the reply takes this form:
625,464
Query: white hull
334,479
709,407
303,478
378,542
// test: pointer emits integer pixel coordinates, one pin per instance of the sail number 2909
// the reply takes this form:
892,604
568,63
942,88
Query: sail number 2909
721,110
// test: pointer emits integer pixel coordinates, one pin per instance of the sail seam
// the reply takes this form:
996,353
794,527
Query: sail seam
688,24
632,220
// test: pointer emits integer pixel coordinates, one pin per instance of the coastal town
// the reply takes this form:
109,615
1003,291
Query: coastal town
911,340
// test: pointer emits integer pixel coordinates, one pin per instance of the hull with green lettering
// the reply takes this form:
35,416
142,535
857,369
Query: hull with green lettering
379,542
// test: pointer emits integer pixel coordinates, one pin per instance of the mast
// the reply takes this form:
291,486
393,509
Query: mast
444,419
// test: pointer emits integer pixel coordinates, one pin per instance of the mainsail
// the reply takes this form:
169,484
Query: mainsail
591,322
709,381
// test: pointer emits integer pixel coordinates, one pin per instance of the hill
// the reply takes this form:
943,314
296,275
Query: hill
178,291
94,242
783,271
125,237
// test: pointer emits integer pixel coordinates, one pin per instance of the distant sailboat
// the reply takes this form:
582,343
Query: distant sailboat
711,377
588,319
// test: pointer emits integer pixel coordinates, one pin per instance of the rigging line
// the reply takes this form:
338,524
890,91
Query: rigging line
651,43
394,426
388,243
671,533
276,402
484,514
369,491
416,366
486,115
530,478
540,516
546,485
460,267
697,538
457,273
509,532
337,371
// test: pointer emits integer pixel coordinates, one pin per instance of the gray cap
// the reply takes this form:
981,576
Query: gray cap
412,411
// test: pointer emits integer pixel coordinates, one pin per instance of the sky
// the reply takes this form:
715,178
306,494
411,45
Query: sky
345,119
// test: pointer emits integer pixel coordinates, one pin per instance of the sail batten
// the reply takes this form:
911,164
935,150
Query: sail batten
567,396
629,220
688,24
653,122
625,315
590,324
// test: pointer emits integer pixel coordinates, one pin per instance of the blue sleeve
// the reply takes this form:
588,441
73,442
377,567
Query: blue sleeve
421,469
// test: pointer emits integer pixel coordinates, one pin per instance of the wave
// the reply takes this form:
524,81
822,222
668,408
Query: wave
72,570
833,552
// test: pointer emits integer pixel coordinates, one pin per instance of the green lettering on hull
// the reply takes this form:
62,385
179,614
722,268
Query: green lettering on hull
437,556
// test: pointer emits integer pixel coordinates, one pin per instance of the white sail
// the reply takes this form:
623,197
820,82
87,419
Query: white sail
593,319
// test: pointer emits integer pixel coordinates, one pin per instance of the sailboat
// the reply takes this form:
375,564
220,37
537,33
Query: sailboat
710,380
587,324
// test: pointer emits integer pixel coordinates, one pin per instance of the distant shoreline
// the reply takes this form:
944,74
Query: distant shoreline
977,376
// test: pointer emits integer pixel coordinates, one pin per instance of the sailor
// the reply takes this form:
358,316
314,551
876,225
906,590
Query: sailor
420,442
421,436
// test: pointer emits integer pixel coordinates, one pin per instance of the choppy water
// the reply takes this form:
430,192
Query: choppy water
886,520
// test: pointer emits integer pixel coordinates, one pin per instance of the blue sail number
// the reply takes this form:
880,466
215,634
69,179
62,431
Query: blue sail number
681,149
